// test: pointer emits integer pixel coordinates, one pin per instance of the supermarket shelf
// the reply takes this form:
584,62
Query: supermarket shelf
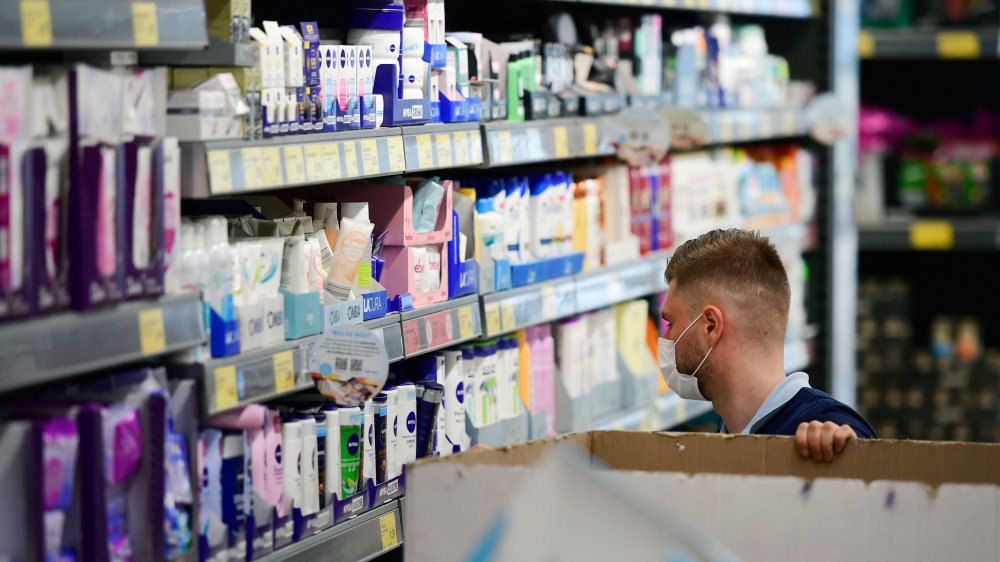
357,540
620,283
226,167
967,44
748,125
439,326
102,24
218,53
249,378
775,8
507,311
390,330
932,235
73,343
445,145
509,144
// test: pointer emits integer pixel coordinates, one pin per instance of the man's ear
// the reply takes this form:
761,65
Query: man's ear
715,324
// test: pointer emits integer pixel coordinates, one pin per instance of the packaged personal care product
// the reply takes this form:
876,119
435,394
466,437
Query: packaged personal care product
309,490
291,443
393,459
351,422
427,199
368,453
381,412
351,242
406,443
232,492
454,402
428,405
332,472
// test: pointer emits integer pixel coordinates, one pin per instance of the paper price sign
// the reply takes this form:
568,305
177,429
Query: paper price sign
560,140
397,156
505,147
226,392
369,157
270,166
295,165
932,235
466,329
252,170
328,156
958,45
144,27
425,151
220,173
508,316
493,326
442,143
284,371
36,23
411,336
590,138
462,148
152,337
387,528
351,159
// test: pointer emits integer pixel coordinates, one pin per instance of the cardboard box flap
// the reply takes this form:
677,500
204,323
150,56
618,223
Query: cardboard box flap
513,455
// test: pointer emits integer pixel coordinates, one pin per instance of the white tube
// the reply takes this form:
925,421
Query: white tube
393,462
310,472
454,401
291,443
314,257
354,236
331,482
368,444
406,445
294,267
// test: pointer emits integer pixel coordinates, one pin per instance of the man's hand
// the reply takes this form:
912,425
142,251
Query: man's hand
822,440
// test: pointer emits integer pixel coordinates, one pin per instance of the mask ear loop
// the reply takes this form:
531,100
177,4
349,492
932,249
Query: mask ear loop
703,361
688,328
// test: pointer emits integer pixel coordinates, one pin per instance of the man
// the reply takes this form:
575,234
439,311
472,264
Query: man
727,310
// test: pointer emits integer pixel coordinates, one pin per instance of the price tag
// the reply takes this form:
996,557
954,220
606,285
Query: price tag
397,156
766,125
866,45
505,147
958,45
369,157
411,336
493,326
725,128
590,138
462,156
284,371
252,170
270,167
689,3
932,235
144,26
387,528
789,126
560,139
295,164
329,156
508,316
220,174
745,128
465,328
152,337
351,159
702,4
549,301
425,151
442,144
226,393
36,23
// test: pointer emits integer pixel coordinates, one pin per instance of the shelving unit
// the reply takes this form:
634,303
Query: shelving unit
510,144
358,540
442,325
102,24
442,145
72,343
776,8
969,44
982,235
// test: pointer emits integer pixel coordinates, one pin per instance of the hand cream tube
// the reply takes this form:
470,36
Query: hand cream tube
331,480
354,235
294,268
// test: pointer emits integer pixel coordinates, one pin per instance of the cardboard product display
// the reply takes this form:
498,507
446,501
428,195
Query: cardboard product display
755,495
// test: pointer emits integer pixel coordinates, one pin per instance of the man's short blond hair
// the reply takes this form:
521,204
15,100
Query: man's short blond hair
745,266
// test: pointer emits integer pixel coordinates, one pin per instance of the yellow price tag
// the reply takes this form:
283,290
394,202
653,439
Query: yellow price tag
590,138
226,393
508,316
144,27
958,45
369,157
295,164
270,166
329,157
560,138
766,125
548,301
866,45
746,131
702,4
493,326
462,148
284,371
351,159
315,166
725,128
789,126
252,169
220,174
505,147
932,235
152,337
397,156
442,145
36,23
689,3
425,151
465,327
387,528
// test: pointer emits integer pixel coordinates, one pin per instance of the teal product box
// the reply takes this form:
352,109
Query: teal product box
303,314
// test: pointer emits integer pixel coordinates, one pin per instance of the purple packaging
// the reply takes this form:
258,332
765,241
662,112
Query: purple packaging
143,220
49,229
18,169
96,228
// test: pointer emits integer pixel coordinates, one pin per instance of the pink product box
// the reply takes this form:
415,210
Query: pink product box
399,275
391,209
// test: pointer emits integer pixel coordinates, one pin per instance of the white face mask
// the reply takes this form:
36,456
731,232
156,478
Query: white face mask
686,386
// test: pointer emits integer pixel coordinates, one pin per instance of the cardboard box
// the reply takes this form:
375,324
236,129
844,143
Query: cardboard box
755,495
